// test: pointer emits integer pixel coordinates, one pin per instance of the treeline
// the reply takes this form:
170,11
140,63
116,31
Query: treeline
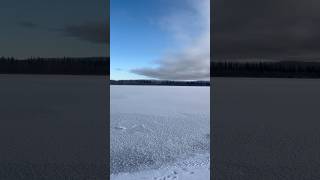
160,82
286,69
65,65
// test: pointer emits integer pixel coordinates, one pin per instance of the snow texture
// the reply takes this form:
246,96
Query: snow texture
159,132
53,127
266,129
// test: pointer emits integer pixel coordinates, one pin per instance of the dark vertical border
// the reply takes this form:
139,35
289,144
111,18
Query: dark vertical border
108,91
211,93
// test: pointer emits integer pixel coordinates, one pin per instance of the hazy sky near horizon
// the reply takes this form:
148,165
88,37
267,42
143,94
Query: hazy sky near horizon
53,28
270,29
160,39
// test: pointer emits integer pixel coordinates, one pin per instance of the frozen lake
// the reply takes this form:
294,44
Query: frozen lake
266,128
160,132
53,127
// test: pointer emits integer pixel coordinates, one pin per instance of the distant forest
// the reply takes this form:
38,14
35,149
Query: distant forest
160,82
101,66
65,65
276,69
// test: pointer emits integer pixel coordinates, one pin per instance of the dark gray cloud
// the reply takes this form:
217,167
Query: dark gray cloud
95,32
191,65
275,29
28,24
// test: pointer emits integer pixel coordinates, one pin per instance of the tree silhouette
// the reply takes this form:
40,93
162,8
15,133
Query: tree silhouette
290,69
65,65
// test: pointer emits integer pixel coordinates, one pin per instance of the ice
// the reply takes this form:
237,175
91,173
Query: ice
154,127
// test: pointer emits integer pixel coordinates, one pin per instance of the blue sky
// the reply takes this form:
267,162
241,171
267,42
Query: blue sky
145,32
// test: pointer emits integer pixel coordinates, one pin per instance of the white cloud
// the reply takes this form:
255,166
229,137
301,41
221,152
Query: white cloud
190,28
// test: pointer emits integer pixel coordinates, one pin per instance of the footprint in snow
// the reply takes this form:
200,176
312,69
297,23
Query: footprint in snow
120,128
139,128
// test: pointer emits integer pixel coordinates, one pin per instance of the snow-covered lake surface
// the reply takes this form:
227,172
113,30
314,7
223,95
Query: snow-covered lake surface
53,127
160,132
266,128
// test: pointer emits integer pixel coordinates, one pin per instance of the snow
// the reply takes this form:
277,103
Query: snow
160,132
266,128
53,127
194,168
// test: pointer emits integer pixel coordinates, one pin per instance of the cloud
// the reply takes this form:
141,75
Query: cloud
27,24
274,29
191,58
94,32
191,63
